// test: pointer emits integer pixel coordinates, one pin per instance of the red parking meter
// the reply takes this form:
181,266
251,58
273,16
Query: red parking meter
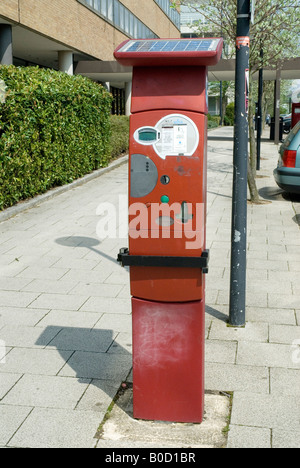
167,217
295,114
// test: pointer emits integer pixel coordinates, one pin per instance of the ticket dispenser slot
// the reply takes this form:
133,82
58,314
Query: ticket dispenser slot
184,215
167,252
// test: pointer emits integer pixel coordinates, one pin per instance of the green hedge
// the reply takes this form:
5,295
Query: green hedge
54,128
120,135
213,121
229,116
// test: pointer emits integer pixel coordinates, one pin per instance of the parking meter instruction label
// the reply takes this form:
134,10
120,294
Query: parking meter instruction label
180,138
167,140
174,139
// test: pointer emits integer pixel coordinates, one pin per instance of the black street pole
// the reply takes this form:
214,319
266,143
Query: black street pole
259,116
237,313
221,103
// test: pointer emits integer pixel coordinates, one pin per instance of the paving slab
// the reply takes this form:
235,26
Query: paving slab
232,377
56,428
46,392
285,381
252,332
269,411
244,437
267,354
35,361
285,439
8,381
101,366
11,418
26,337
21,316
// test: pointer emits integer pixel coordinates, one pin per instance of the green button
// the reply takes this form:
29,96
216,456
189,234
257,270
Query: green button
165,199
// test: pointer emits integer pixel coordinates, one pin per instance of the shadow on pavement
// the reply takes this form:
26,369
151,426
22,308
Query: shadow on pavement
296,219
84,242
276,193
271,193
216,313
90,354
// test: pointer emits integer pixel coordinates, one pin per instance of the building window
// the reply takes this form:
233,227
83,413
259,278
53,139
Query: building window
118,104
214,105
117,14
173,14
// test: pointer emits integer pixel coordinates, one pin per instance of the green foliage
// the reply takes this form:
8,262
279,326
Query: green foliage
275,29
120,135
54,128
213,121
229,115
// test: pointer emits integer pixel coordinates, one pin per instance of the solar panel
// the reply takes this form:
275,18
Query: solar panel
173,45
169,52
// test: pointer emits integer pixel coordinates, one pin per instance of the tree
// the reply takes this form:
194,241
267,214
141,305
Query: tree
276,30
226,91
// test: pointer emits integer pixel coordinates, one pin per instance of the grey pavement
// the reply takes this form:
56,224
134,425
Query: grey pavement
65,324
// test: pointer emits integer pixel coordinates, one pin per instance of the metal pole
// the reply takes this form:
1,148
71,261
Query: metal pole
277,105
259,116
221,103
237,315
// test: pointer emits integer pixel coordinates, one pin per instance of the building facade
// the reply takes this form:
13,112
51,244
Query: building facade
62,34
57,32
190,21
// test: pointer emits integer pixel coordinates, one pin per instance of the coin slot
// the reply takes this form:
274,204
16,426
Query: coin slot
165,179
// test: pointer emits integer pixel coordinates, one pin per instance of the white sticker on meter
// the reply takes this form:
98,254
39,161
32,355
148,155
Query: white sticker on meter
167,139
179,136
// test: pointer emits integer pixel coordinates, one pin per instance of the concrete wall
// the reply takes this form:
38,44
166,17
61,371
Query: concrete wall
73,24
10,9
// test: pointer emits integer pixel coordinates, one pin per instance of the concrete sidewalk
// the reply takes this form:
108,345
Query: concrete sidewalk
65,324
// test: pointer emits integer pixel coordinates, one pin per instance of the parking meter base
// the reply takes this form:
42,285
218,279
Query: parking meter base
168,361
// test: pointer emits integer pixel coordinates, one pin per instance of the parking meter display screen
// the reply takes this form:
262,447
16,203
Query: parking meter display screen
147,135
